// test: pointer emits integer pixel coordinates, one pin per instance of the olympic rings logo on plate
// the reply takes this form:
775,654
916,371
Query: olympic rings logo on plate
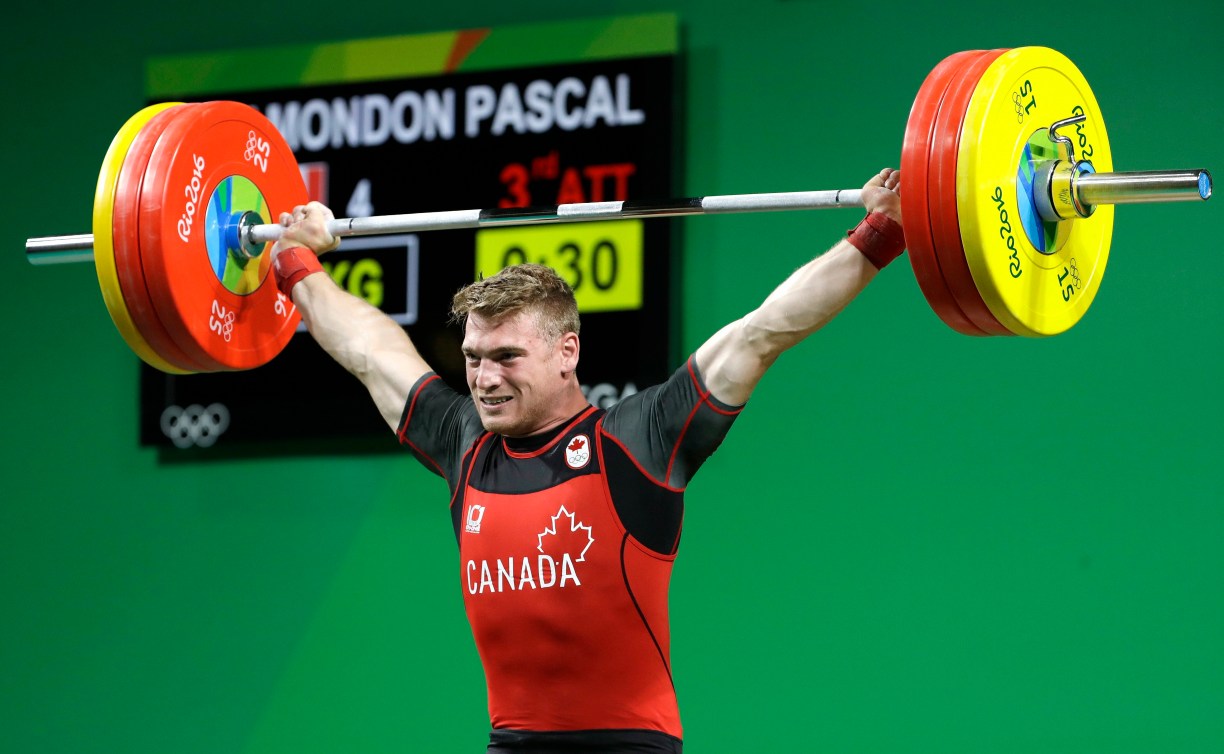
195,425
257,150
222,321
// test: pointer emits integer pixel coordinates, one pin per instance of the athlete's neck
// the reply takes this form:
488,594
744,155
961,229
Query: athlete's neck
537,440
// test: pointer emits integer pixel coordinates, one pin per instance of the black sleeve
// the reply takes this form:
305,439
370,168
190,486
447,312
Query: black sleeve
671,429
439,425
653,443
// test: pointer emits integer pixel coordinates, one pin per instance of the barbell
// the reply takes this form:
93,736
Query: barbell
1008,205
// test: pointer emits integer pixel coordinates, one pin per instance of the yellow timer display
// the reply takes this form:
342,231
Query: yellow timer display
602,261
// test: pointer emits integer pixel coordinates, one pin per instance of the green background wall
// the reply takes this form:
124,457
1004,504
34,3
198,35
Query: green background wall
913,541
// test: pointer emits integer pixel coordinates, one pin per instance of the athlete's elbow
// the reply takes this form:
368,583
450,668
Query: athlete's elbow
763,341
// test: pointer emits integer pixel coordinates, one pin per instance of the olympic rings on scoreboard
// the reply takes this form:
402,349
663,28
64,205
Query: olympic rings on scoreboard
195,425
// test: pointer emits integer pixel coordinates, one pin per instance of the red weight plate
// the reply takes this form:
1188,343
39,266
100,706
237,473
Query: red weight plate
915,156
126,238
941,195
225,159
104,251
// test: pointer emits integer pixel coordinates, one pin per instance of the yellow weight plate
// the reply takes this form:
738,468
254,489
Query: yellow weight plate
1032,292
103,244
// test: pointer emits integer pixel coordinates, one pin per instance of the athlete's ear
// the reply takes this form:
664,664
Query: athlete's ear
567,352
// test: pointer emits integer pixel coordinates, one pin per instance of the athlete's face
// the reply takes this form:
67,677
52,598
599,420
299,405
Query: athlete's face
517,378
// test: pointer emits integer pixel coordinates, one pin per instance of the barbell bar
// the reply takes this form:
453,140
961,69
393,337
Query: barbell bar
78,248
1090,189
1000,213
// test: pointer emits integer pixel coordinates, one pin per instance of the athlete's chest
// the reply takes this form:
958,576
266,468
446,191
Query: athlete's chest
536,520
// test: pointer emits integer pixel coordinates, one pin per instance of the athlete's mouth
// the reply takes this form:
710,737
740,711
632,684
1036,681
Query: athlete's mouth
488,401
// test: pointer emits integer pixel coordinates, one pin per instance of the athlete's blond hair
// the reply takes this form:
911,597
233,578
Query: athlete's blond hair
532,288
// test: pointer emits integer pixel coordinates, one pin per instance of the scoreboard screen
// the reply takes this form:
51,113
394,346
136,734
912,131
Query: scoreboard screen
476,119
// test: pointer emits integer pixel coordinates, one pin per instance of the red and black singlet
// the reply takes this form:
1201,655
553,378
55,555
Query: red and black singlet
566,543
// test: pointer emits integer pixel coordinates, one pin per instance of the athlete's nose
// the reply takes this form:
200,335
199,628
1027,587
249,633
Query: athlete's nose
487,375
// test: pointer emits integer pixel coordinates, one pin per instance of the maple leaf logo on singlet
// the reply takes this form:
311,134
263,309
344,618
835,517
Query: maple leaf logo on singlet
570,536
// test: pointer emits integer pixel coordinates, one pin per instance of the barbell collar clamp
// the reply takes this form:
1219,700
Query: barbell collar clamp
1065,141
1055,194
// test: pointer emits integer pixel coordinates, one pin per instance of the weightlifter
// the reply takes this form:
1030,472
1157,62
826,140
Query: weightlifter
568,516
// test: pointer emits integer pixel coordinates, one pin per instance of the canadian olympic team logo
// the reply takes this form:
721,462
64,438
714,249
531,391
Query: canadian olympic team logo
195,425
578,452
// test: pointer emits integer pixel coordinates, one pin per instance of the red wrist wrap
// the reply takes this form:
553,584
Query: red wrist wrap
879,237
291,265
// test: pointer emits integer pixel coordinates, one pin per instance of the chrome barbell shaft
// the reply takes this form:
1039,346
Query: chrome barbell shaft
1090,188
60,249
584,212
79,248
1143,187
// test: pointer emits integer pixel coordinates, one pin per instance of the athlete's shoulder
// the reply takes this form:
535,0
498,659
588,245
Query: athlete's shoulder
439,425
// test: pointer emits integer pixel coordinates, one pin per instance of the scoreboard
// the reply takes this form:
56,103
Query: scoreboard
504,118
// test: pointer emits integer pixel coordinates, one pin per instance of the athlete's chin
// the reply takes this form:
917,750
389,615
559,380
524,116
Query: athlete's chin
499,422
492,425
